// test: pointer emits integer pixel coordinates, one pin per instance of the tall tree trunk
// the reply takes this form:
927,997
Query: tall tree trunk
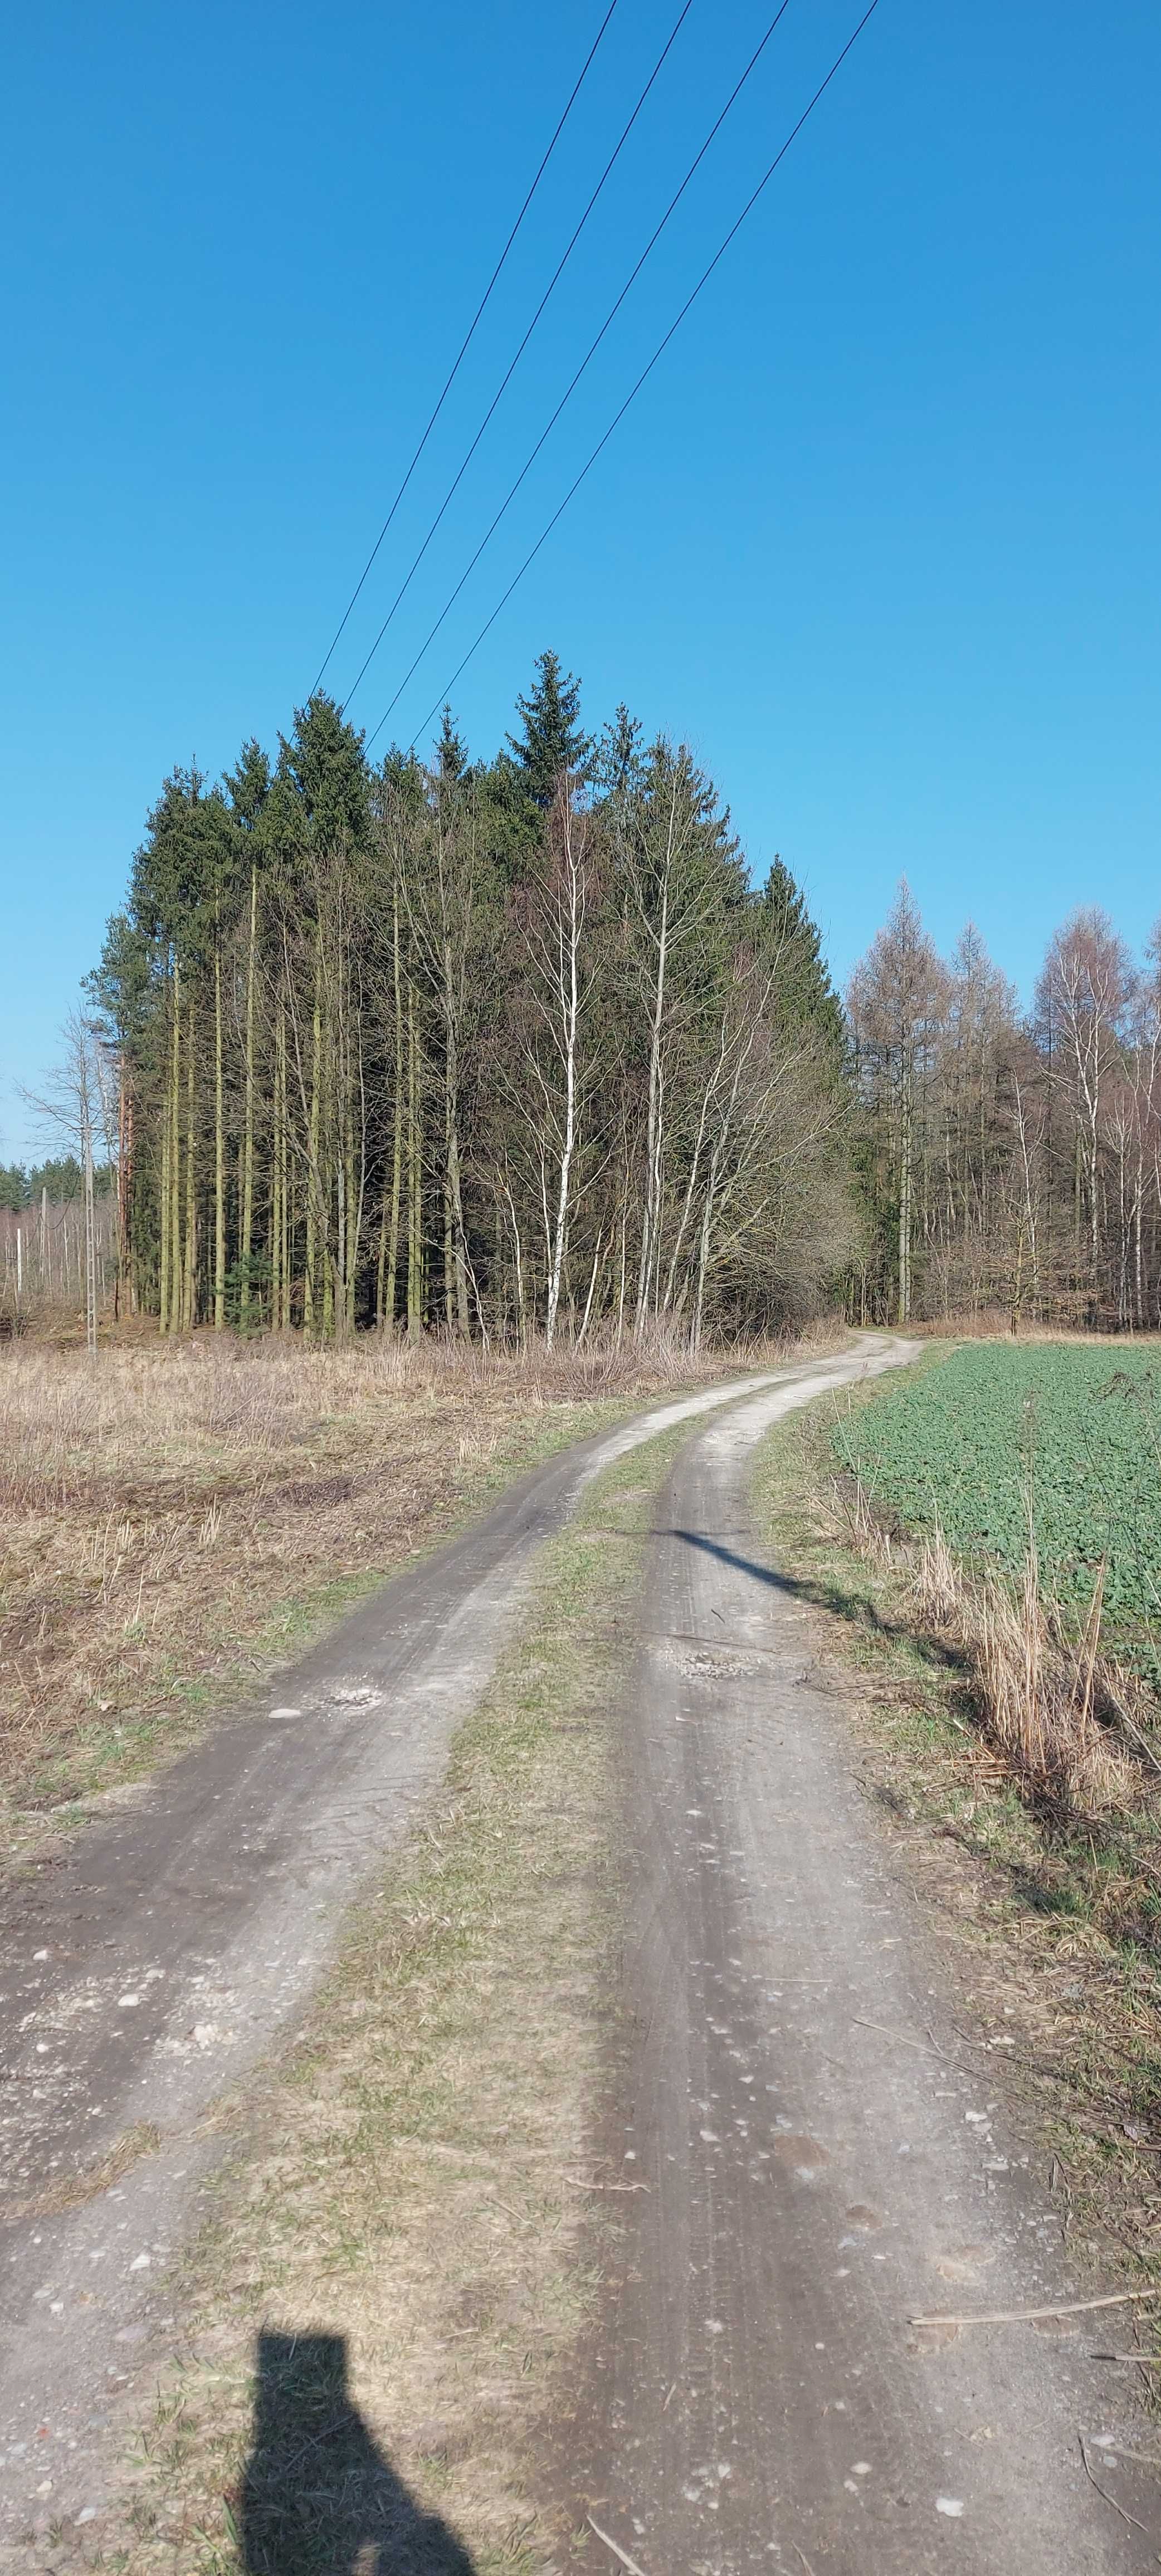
455,1265
278,1177
163,1229
286,1232
570,931
248,1148
174,1210
906,1151
219,1153
311,1297
324,1193
351,1249
189,1272
381,1260
414,1178
651,1213
391,1292
448,1284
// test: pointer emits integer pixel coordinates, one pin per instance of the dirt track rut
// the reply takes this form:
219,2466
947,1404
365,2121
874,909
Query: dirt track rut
823,2154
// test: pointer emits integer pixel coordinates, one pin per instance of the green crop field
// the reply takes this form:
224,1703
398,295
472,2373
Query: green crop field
1071,1430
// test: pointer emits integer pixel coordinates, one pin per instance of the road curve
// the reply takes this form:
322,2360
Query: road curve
819,2155
146,1971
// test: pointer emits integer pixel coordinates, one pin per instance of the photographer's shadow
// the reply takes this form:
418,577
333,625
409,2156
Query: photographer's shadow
318,2497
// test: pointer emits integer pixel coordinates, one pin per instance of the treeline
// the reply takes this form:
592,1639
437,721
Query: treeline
45,1249
1003,1158
44,1241
493,1047
52,1184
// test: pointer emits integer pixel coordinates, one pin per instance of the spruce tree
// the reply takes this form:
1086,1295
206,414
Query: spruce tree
451,752
322,775
618,763
804,994
551,739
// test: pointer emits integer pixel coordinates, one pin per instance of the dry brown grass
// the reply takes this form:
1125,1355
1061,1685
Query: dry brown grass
172,1516
1069,1721
994,1323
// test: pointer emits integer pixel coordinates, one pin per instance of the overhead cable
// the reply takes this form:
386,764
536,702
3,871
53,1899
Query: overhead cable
505,381
590,353
631,396
468,336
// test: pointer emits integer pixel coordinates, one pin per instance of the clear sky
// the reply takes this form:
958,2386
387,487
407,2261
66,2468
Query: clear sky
880,537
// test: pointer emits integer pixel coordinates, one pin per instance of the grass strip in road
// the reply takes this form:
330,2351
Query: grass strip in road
1052,1930
407,2198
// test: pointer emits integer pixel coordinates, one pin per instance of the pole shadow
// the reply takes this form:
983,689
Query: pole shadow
319,2498
729,1556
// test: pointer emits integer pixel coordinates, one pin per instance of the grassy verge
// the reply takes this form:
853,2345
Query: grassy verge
406,2216
175,1523
1053,1931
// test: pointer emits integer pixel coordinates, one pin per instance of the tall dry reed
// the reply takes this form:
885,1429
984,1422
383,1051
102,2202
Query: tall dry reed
1057,1709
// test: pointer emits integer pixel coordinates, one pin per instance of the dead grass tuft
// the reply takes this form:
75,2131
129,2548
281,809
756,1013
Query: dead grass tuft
994,1323
71,2191
1052,1706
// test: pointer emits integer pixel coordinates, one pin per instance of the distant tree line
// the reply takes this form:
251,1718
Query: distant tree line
26,1185
491,1046
1006,1158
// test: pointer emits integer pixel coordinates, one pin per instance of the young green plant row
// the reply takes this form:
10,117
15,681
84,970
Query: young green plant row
1062,1442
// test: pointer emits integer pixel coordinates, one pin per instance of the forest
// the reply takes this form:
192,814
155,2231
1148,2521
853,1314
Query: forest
492,1048
517,1046
1007,1160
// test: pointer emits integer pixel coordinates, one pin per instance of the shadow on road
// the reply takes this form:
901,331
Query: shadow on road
318,2497
828,1594
1040,1890
729,1556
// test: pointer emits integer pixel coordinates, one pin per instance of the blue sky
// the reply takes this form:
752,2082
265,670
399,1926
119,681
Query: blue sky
880,538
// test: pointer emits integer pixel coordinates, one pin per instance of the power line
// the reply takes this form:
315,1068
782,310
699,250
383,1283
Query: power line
631,396
590,353
469,335
453,487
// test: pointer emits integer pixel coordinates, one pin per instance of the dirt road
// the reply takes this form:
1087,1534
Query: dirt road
145,1972
824,2149
820,2154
